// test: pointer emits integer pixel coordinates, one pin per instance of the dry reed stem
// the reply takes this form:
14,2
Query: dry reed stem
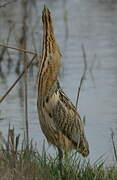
23,43
20,76
18,49
113,143
26,99
83,76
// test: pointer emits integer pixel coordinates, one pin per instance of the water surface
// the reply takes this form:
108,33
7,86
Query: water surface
92,23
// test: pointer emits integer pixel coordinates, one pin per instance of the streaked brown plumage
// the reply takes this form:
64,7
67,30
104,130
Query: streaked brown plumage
58,117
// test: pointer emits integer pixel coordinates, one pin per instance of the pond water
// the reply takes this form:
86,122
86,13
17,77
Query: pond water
92,23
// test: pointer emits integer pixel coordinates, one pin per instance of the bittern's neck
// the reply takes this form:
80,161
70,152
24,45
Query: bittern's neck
50,62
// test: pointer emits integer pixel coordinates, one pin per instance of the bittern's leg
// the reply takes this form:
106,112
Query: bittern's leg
60,153
66,158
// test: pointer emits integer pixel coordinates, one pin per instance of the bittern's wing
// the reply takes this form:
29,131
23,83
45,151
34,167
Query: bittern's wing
67,119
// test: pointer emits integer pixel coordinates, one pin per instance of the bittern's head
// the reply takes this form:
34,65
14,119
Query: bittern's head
48,30
46,17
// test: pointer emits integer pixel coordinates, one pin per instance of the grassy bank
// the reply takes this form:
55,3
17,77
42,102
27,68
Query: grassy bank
29,164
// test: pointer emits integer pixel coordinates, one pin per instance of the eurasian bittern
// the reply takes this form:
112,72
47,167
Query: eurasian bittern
58,117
